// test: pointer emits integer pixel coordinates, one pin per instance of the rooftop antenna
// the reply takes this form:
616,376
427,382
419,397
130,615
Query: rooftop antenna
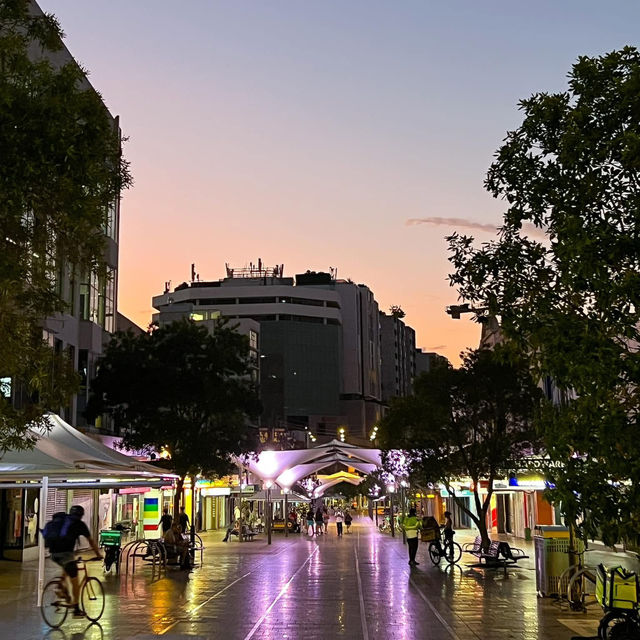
193,272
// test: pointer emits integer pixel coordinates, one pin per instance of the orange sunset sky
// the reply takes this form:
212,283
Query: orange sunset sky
311,133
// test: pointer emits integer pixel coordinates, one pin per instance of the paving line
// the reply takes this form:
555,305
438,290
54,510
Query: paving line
215,595
437,614
256,626
363,617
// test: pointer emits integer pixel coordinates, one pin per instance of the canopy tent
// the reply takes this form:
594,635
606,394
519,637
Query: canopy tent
277,494
286,468
65,452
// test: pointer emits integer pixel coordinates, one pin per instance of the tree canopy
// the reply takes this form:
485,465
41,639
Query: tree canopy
564,278
181,390
460,424
61,175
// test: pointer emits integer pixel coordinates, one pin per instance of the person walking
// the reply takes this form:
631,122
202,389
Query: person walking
310,521
165,521
347,520
183,520
319,521
339,520
325,519
411,525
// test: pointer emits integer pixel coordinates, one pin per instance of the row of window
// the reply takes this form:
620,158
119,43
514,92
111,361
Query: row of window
268,300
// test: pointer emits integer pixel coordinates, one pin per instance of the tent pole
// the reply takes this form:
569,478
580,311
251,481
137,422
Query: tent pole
42,516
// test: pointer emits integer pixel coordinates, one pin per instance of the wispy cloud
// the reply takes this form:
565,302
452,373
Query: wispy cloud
463,223
452,222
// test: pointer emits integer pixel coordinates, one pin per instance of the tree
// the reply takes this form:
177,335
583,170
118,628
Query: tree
61,174
181,390
460,424
568,294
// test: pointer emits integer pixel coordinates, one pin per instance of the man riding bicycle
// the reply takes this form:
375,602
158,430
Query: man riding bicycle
62,540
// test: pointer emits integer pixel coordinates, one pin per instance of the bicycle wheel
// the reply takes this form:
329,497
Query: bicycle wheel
92,599
54,607
434,552
452,552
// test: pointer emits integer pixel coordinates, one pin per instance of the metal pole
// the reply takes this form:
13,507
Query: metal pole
42,516
240,519
404,514
268,518
393,520
286,514
375,508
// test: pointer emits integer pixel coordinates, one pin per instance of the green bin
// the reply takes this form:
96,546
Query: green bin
110,538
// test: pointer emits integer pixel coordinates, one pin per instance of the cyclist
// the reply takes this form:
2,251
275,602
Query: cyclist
448,527
62,551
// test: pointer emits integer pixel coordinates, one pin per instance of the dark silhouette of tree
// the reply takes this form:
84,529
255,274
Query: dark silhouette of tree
181,390
463,424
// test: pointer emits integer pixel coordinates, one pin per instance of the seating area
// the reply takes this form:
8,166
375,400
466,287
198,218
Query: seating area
498,555
156,553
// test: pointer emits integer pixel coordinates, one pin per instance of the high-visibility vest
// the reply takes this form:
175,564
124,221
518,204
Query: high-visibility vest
410,523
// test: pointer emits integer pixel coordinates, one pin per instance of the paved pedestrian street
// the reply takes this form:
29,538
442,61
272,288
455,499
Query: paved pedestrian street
357,587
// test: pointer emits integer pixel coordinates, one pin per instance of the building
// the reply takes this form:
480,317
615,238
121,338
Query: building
398,346
90,296
319,344
425,360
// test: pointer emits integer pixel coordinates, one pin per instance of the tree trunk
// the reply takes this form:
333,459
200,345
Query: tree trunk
178,497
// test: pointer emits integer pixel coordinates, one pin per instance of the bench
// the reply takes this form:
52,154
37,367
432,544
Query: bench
150,551
499,554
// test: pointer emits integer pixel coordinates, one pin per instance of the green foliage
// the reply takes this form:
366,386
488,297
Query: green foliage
181,389
61,170
463,423
568,293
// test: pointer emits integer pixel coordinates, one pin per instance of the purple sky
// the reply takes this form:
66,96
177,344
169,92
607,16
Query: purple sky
309,133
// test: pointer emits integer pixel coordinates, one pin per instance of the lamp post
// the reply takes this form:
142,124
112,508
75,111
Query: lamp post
286,511
391,488
268,484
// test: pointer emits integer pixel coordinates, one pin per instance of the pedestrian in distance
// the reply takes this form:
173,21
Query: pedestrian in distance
347,520
411,526
165,521
183,520
319,521
310,521
325,519
339,520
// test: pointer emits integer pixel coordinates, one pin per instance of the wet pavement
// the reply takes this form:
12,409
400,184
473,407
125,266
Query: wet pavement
358,587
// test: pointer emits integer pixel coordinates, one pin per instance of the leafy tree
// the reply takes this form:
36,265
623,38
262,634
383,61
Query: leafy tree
462,423
61,172
568,294
181,390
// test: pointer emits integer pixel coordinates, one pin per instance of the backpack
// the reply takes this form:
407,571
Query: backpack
56,529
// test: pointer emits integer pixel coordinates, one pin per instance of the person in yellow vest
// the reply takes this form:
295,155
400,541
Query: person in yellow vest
411,526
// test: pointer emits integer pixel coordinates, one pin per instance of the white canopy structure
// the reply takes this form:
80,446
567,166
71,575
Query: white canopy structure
286,468
67,453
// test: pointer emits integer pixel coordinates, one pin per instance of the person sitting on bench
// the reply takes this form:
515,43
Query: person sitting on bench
232,531
173,541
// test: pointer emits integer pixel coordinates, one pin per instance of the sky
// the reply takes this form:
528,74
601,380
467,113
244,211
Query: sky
352,134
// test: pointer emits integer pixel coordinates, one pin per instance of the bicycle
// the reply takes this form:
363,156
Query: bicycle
449,550
56,600
385,525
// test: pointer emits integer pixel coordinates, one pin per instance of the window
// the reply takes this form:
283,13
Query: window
263,300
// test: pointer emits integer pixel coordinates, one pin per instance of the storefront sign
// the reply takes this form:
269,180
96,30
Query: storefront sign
216,491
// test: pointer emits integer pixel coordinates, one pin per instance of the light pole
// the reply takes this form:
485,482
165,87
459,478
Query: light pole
268,484
286,511
391,488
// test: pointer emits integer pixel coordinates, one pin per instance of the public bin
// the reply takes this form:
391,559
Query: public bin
551,544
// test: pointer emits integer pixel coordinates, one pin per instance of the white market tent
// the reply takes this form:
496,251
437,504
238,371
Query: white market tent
65,452
71,460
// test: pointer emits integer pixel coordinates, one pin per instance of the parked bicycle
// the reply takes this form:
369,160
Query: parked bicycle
385,525
448,549
56,599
